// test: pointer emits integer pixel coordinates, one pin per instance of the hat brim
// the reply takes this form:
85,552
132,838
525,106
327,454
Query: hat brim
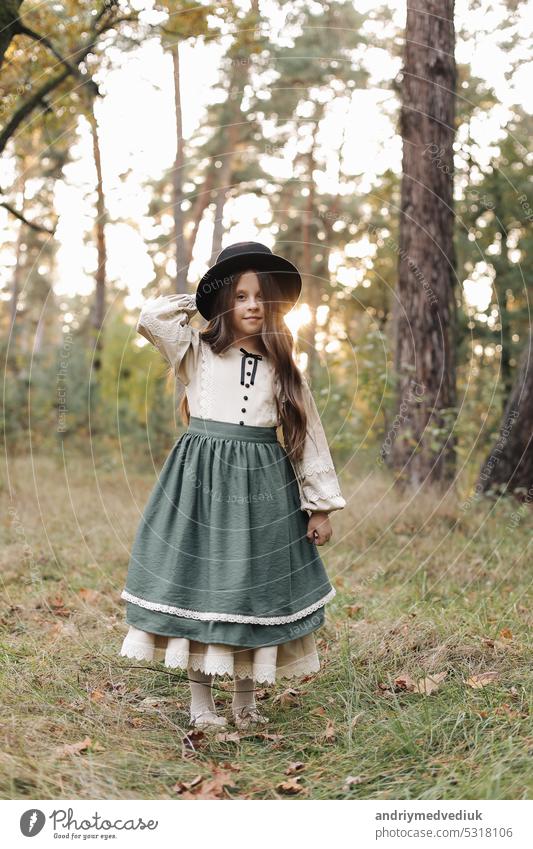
219,275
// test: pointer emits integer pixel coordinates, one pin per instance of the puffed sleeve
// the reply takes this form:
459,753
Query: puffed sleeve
315,472
164,321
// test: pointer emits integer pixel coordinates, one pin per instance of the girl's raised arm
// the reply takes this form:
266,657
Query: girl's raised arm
315,472
164,321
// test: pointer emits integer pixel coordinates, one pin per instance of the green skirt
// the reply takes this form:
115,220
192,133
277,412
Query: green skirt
221,553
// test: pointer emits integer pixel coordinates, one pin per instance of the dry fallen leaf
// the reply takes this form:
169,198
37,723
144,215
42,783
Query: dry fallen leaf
228,737
289,698
292,786
74,748
181,786
294,767
191,742
329,733
88,595
211,788
481,680
149,702
351,780
506,633
276,738
58,608
96,695
424,686
116,687
405,682
430,683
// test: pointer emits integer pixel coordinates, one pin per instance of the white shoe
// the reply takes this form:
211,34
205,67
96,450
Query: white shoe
247,716
207,719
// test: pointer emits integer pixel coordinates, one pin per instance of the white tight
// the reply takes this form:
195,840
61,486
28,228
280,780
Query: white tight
202,693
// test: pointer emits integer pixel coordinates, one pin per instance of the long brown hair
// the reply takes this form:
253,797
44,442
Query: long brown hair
277,343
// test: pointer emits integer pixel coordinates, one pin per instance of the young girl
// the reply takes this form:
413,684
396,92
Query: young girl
224,575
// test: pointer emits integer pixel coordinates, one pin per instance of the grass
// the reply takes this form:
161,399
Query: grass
424,586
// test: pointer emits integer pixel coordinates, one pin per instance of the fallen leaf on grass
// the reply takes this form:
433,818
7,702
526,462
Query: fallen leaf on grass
274,737
292,787
481,680
96,696
78,705
118,687
58,607
430,683
228,737
191,742
148,703
209,788
74,748
424,686
329,733
507,710
289,698
352,780
294,767
502,644
88,595
67,629
182,786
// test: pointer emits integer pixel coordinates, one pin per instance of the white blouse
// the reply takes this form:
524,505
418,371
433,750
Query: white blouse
238,387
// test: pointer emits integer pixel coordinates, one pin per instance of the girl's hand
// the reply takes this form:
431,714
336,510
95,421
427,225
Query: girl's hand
319,529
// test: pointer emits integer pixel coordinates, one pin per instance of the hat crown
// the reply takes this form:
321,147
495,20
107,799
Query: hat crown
240,257
239,248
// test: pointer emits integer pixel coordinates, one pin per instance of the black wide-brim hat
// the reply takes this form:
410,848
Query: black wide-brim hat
244,256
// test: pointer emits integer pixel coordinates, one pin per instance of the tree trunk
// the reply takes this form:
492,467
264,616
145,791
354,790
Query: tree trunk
9,24
223,185
311,284
509,466
425,316
100,293
18,270
177,183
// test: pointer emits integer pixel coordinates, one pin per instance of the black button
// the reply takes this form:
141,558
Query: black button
246,397
250,362
248,373
247,385
241,422
243,409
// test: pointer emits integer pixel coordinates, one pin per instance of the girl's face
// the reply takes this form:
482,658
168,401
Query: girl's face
248,310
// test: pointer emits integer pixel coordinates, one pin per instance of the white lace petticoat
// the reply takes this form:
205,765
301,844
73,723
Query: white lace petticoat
265,664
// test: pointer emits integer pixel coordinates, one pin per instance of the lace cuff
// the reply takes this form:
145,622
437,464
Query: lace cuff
315,472
164,321
320,491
